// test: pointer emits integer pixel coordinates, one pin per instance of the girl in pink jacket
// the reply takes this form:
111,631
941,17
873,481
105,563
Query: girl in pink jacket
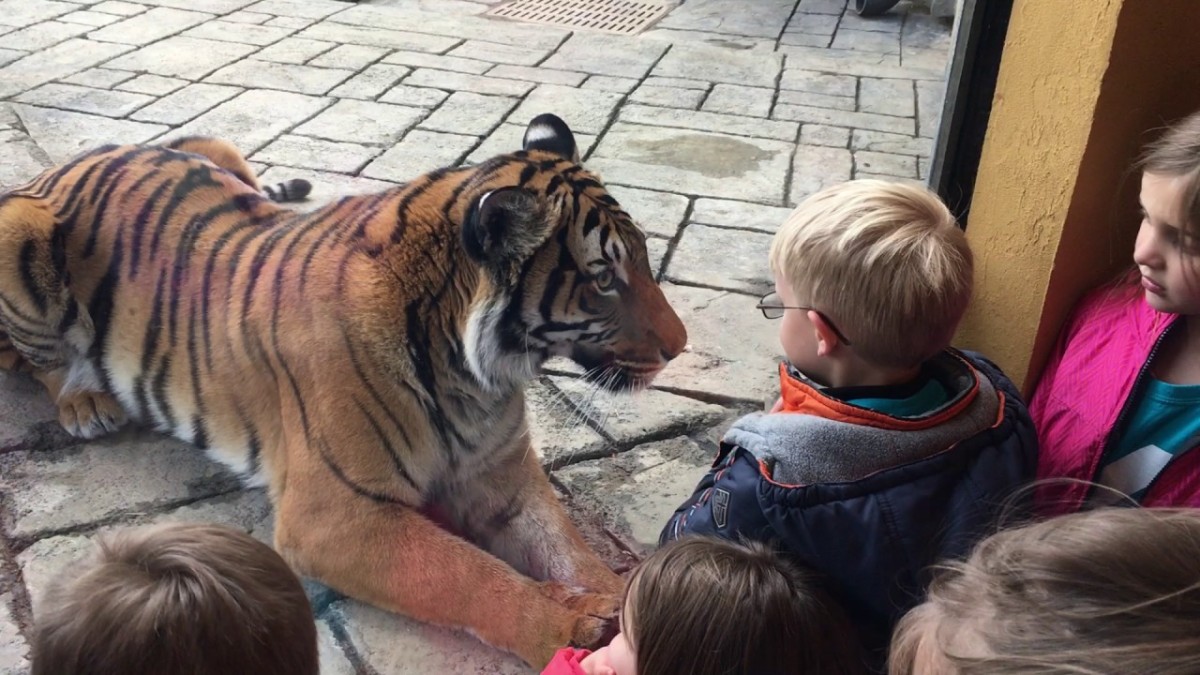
1118,406
703,606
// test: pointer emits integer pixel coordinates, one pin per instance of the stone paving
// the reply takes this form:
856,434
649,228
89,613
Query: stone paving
707,127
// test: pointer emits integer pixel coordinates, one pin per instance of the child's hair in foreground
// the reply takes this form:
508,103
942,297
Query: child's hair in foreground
886,259
705,606
176,599
1104,592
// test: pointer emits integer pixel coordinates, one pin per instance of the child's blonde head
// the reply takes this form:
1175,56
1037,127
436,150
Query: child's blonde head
1096,593
192,599
885,261
704,606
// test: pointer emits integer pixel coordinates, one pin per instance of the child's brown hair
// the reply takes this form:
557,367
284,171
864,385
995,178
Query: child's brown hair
1103,592
176,599
704,606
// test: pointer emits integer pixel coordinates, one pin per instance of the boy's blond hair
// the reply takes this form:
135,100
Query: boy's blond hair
885,261
177,599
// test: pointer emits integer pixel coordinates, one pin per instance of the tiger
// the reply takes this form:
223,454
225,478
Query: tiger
364,361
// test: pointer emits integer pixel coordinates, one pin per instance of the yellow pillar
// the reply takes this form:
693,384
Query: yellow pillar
1053,214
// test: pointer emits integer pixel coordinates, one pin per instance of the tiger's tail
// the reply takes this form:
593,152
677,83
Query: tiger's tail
225,155
293,190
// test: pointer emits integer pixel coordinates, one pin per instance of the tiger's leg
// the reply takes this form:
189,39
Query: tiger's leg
392,557
45,329
225,155
515,514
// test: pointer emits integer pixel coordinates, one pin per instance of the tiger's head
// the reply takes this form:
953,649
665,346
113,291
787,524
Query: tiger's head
565,270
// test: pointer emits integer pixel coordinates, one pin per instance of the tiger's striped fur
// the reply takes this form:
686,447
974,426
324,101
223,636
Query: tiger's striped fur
365,361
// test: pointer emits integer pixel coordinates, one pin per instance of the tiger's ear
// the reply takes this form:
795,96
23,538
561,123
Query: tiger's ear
496,224
549,133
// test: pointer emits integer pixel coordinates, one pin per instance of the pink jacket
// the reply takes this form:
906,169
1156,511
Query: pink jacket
566,662
1100,359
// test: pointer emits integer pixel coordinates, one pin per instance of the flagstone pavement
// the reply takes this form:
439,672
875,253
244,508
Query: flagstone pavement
707,128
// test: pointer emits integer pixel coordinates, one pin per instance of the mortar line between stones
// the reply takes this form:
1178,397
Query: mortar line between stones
616,114
674,241
791,17
837,26
711,287
552,52
20,604
341,637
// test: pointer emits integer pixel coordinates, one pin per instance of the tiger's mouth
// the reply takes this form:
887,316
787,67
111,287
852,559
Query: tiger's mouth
613,373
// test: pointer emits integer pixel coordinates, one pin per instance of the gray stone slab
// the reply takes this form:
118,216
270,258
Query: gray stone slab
543,75
362,122
820,134
656,250
154,85
28,418
252,119
888,22
21,13
242,16
613,55
587,112
296,50
659,213
390,643
42,35
678,82
186,104
85,99
723,40
119,8
868,41
314,153
45,559
929,59
557,430
859,120
421,97
766,19
804,39
151,26
455,26
371,82
668,97
426,77
813,100
438,62
922,168
886,97
926,32
14,650
705,121
124,473
214,6
189,58
636,492
375,37
817,167
930,96
500,53
508,137
65,134
851,62
621,85
884,164
247,33
419,153
693,162
634,418
326,186
7,56
305,9
283,76
814,24
722,258
65,58
733,349
878,141
752,68
333,660
352,57
734,99
98,78
469,113
290,22
730,213
818,83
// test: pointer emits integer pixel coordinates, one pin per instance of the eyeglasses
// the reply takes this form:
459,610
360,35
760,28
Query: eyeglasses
773,308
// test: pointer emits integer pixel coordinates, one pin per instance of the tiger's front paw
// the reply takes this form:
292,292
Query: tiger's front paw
597,614
90,414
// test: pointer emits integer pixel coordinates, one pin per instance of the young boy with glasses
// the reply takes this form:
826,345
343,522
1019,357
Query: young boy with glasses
887,450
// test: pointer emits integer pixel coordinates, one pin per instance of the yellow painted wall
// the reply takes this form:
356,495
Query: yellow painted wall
1054,208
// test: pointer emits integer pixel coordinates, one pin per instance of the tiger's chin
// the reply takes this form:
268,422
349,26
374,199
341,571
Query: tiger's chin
608,371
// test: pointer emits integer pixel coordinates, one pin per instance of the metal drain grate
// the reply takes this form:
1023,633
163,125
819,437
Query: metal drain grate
609,16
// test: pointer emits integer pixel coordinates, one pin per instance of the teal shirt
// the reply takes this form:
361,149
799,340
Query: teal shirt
917,398
1163,424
